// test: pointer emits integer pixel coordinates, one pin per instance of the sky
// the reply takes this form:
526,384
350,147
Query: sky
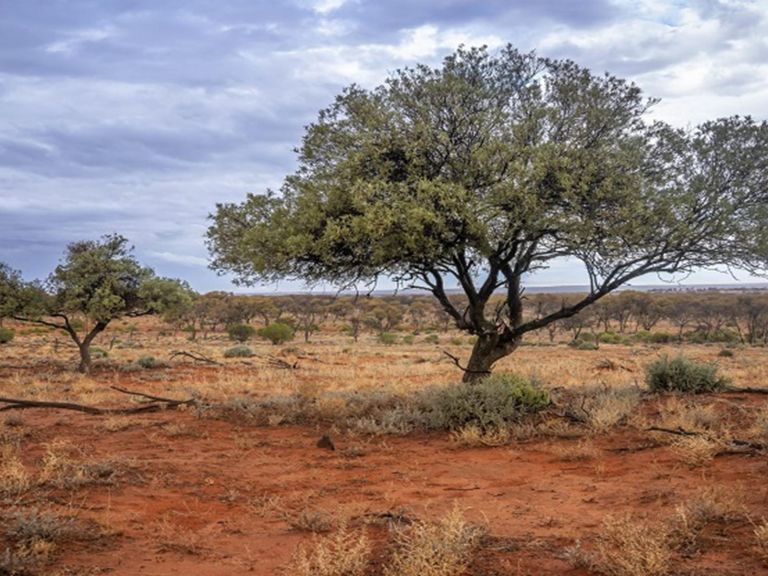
138,116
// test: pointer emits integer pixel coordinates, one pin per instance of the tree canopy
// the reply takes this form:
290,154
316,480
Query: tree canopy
98,281
477,173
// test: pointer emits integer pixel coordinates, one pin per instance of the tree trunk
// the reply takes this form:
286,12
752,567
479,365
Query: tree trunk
488,349
85,358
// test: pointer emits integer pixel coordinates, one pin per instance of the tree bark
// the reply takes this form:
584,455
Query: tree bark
488,350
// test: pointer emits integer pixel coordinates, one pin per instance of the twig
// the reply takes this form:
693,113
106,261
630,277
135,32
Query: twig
736,390
460,367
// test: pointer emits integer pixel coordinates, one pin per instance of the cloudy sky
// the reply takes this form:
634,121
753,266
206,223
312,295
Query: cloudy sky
137,116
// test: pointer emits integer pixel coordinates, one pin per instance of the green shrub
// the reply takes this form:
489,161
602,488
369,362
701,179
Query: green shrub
610,338
683,375
584,344
409,339
97,352
726,353
492,403
388,338
149,362
432,339
277,333
238,352
241,332
6,335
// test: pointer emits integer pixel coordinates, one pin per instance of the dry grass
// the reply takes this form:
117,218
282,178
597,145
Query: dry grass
345,553
712,505
472,436
442,548
761,540
580,451
308,520
14,478
628,546
696,450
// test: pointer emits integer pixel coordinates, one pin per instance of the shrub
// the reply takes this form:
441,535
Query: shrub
654,337
409,339
277,333
343,554
683,375
726,353
6,335
97,352
238,352
388,338
584,344
150,362
432,339
490,404
610,338
241,332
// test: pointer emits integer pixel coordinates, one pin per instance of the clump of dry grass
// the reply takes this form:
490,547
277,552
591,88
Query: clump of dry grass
580,451
472,436
711,505
697,450
308,520
345,553
62,467
601,408
761,540
442,548
14,478
171,537
627,546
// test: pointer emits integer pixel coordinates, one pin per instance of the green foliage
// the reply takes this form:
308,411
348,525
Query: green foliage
97,352
610,338
277,333
432,339
681,374
387,338
491,403
6,335
241,332
409,339
149,362
580,344
238,352
654,337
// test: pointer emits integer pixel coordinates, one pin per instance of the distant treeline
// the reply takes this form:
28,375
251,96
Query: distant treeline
692,316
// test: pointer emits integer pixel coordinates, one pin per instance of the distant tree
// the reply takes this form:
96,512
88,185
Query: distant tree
490,167
96,283
241,332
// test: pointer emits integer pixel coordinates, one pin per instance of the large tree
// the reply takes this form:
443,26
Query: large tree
482,171
97,282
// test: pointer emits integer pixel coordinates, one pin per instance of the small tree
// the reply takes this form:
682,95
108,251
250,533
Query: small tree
98,282
241,332
277,333
488,168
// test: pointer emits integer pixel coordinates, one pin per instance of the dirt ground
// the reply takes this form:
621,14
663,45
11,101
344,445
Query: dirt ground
179,492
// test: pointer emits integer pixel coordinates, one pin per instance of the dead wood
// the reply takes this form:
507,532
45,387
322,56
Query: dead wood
195,357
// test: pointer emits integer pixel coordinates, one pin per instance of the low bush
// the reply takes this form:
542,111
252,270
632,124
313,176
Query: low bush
6,335
610,338
277,333
681,374
388,338
492,403
432,339
148,362
238,352
97,352
584,344
241,332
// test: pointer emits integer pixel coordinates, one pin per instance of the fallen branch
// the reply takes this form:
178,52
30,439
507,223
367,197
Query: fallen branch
281,364
679,431
736,390
195,357
154,404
